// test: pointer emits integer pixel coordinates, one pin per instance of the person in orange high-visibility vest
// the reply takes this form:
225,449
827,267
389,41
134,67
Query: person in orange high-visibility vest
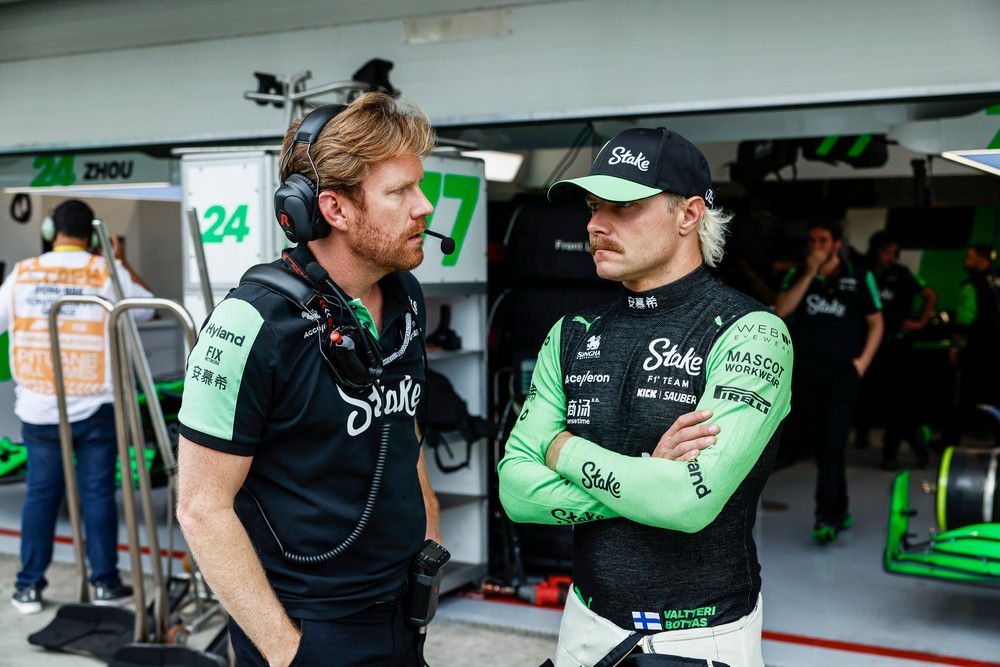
26,297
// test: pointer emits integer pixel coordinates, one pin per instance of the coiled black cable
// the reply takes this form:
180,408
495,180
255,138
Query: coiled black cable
366,512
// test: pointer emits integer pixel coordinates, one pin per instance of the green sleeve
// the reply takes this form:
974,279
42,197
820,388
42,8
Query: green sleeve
965,311
876,299
789,278
217,371
529,490
748,390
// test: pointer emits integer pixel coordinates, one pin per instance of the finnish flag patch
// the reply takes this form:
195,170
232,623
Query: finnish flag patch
647,620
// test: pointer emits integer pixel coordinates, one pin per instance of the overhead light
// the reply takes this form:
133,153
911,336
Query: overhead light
501,167
987,159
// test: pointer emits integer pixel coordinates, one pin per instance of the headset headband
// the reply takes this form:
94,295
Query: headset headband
310,127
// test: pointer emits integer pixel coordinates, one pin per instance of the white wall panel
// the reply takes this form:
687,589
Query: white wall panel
576,58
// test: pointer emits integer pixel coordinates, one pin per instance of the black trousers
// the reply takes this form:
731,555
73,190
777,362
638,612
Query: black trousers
884,398
823,403
978,370
378,636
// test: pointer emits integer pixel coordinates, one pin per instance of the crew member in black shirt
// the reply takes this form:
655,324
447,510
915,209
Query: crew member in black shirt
883,389
975,344
832,307
303,493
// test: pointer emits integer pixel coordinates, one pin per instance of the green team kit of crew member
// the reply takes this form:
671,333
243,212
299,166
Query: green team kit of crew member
652,423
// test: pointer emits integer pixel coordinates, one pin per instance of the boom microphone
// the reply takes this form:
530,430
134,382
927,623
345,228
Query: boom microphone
447,243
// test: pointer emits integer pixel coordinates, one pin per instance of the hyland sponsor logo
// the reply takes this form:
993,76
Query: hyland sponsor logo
213,355
593,348
755,365
587,378
663,355
680,619
593,478
817,305
643,302
737,395
697,480
215,331
578,410
569,517
647,620
620,154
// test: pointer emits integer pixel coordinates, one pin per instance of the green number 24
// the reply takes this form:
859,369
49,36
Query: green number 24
235,225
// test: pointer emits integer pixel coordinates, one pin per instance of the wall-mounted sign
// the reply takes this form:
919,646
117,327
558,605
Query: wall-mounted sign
456,187
84,169
231,193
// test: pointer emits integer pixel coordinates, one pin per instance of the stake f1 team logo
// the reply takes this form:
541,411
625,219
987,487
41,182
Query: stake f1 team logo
664,354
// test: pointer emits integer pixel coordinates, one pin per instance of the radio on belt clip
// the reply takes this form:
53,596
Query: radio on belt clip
425,583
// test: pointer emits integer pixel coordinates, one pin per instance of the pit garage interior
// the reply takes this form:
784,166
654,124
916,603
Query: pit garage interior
887,114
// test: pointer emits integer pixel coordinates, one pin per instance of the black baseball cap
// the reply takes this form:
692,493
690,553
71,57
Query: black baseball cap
639,163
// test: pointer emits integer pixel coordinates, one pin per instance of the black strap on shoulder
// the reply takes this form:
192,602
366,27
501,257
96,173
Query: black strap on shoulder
618,653
285,283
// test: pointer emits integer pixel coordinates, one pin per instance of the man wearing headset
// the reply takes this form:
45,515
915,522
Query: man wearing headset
26,297
302,489
652,422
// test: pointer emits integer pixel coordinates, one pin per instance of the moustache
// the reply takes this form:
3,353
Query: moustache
604,244
416,230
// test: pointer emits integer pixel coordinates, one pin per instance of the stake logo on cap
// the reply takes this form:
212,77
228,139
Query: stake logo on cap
640,163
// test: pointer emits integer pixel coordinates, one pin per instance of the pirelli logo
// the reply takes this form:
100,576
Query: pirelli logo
738,395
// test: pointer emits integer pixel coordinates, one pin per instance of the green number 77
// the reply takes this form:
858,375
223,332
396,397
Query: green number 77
456,186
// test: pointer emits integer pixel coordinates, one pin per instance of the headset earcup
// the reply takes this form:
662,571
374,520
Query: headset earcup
296,210
95,238
49,232
48,229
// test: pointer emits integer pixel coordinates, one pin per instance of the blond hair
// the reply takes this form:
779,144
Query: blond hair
712,229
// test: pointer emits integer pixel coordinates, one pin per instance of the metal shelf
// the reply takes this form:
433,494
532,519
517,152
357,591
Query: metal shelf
458,574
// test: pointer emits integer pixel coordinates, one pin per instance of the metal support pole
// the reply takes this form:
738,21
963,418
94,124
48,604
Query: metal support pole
66,436
199,256
126,419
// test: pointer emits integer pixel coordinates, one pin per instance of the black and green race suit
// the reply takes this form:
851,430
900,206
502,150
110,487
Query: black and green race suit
653,535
